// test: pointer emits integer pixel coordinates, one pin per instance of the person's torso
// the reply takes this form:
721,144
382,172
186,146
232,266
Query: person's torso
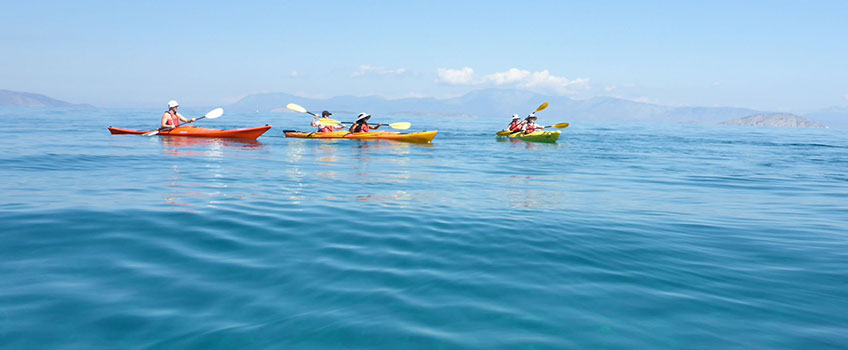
362,128
175,119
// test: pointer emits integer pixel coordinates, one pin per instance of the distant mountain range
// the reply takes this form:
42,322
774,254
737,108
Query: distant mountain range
777,120
25,99
503,103
495,103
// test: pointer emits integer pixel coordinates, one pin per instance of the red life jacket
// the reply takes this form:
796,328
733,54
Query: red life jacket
362,128
175,120
326,128
514,126
531,127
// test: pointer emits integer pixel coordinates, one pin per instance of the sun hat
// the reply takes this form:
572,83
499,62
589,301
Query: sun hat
362,116
172,104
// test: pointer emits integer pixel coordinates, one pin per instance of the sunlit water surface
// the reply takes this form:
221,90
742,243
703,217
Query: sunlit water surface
619,236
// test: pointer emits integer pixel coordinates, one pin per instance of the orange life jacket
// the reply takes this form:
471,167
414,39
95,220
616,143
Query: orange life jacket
361,127
175,119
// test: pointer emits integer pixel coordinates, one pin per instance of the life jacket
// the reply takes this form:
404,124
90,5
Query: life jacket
361,127
531,127
514,126
175,119
325,128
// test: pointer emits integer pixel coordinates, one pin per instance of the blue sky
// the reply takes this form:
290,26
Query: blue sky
774,55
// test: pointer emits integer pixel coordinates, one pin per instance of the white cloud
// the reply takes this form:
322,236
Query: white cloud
366,70
511,76
543,80
294,74
464,76
717,83
514,77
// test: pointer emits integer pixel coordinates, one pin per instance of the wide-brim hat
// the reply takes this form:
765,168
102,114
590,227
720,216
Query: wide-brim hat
362,116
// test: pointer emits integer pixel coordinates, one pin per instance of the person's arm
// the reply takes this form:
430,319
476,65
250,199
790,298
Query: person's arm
166,121
184,118
351,128
375,127
315,123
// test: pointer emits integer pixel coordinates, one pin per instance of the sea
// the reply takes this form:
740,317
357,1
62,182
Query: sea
619,236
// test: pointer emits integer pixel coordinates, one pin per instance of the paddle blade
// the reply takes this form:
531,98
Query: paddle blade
296,108
400,126
543,106
504,133
329,122
560,125
215,113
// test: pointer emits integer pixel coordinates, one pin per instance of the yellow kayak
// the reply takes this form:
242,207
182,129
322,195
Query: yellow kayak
538,136
416,137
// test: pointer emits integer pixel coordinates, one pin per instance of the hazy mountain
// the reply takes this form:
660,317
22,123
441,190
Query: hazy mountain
501,103
779,120
26,99
833,116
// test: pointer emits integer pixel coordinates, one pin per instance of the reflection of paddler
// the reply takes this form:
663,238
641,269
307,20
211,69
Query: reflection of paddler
361,124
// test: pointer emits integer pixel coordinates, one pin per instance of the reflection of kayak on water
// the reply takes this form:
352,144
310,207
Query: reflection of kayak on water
417,137
191,131
538,136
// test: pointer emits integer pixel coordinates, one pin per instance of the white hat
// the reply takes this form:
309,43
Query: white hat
515,116
172,104
362,116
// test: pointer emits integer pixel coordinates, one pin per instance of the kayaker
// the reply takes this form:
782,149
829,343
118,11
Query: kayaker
530,124
325,127
516,124
361,124
171,119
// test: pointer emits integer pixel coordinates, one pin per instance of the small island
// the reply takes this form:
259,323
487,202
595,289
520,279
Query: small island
10,98
775,120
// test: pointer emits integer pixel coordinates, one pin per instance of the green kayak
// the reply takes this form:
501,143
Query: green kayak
538,136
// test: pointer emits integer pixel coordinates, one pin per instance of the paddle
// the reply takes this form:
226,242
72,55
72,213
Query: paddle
558,126
299,109
215,113
541,107
398,125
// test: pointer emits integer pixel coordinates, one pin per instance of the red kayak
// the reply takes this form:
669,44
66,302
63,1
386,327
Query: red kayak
192,131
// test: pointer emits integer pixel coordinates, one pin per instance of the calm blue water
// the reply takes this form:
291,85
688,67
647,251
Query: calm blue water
620,236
